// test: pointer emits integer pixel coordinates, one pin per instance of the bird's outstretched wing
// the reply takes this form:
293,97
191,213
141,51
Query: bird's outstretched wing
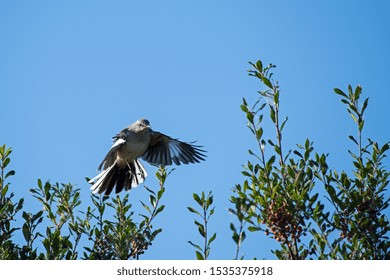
110,158
164,149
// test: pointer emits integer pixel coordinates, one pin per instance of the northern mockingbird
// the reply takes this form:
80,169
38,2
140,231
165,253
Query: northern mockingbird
122,169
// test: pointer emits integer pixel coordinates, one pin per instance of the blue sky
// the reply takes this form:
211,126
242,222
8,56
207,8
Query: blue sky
74,73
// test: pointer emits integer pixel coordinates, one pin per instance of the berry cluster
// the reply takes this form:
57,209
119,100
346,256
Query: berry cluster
365,219
138,246
281,223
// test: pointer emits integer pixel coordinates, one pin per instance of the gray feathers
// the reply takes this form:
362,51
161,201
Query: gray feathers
164,149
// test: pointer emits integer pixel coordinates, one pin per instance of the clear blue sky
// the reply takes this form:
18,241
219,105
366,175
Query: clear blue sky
74,73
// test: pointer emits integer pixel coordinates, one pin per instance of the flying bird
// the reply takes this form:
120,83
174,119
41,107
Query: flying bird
121,167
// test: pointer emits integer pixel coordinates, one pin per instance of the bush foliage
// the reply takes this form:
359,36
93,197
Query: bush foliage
280,195
112,236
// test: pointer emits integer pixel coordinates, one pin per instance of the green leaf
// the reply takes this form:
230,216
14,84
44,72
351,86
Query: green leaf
364,105
236,237
261,108
272,114
354,118
160,209
277,150
350,92
193,211
25,216
150,190
353,139
332,193
4,190
209,200
10,173
201,230
283,123
361,125
384,148
276,97
267,82
271,161
259,133
47,188
249,116
340,92
195,245
142,224
358,91
152,200
243,236
40,183
358,165
212,238
313,198
253,228
26,232
244,108
156,232
298,153
19,205
271,143
197,199
146,207
199,256
6,162
160,193
6,151
259,66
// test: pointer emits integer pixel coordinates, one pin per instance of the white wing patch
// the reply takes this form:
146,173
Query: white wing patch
118,142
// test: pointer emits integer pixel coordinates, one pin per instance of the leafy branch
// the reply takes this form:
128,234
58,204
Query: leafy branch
203,252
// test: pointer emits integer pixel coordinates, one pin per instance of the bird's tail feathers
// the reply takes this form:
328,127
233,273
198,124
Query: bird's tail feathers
136,174
121,178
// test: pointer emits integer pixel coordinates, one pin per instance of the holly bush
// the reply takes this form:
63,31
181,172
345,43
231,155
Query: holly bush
280,196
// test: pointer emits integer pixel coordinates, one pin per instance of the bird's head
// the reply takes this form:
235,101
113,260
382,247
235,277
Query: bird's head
141,125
